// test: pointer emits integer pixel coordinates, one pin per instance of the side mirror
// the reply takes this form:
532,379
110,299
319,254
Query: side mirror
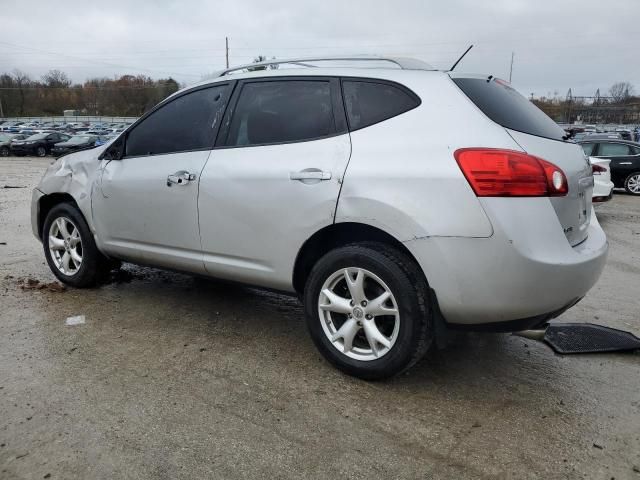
115,150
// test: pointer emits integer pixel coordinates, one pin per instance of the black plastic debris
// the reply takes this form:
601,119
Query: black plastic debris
588,338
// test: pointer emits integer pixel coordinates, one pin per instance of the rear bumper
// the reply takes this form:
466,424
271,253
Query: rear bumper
602,190
527,272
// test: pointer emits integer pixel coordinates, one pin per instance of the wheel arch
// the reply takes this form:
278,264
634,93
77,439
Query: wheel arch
337,235
47,202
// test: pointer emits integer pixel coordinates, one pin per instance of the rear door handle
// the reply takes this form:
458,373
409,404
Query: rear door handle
310,175
180,178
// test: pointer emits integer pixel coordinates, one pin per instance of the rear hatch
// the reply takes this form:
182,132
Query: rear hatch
540,136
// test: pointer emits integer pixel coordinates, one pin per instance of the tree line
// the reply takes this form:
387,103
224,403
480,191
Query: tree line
128,95
618,105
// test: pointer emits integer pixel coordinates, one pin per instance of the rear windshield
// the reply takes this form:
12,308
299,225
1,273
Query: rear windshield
505,106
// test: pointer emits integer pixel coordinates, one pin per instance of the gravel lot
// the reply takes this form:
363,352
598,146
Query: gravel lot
176,377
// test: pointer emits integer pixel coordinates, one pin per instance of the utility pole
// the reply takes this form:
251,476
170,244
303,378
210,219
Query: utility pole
1,111
226,44
511,68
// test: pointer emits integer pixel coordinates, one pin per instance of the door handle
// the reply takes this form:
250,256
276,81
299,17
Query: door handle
180,178
310,175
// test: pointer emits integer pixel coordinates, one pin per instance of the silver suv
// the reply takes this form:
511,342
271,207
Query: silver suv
394,200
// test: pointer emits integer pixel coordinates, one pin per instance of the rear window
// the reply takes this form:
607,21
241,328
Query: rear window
505,106
369,102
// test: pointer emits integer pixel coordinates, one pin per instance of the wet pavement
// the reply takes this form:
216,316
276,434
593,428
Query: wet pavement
176,377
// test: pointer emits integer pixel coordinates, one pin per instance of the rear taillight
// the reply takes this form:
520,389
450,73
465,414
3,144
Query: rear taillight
598,170
506,173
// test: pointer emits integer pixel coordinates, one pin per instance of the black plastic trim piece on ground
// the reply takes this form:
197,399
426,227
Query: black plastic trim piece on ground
567,338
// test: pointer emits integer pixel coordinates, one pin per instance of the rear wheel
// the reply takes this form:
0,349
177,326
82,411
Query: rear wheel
4,151
632,183
367,309
70,249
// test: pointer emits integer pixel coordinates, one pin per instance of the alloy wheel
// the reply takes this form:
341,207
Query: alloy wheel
633,183
359,314
65,246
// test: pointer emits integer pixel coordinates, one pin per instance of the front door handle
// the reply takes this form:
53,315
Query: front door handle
180,178
310,176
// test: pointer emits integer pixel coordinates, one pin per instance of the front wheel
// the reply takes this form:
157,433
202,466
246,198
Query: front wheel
4,152
632,183
367,309
70,249
41,151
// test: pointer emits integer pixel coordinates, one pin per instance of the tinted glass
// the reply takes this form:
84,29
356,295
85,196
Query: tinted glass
368,102
635,150
186,123
613,150
505,106
282,111
588,148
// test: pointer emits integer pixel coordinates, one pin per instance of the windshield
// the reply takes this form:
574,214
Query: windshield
38,136
4,137
504,105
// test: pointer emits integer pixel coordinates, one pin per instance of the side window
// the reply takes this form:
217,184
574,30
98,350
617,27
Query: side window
369,102
186,123
281,112
588,148
635,150
613,150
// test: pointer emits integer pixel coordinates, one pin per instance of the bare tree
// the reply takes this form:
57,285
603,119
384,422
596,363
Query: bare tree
621,91
56,78
22,81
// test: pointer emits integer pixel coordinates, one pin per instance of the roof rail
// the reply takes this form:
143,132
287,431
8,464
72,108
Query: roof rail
401,62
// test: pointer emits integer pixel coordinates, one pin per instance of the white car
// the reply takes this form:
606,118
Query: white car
603,186
396,201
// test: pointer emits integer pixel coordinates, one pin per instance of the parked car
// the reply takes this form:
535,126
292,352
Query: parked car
425,199
624,133
625,161
5,142
102,139
39,144
602,136
73,144
603,186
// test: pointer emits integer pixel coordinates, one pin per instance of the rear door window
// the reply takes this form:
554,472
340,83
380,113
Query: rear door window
186,123
505,106
369,102
282,111
613,150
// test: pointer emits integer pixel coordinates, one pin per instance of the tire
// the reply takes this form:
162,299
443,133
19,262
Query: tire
632,183
407,334
93,267
4,152
41,152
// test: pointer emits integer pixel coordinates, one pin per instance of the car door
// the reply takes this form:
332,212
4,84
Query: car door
145,209
625,159
273,178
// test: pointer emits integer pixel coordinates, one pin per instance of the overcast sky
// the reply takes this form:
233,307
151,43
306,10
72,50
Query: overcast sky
558,44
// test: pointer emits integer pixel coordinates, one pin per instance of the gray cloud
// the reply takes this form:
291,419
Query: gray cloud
583,45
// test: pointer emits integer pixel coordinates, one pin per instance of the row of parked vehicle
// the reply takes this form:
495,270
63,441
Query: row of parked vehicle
48,143
614,156
70,128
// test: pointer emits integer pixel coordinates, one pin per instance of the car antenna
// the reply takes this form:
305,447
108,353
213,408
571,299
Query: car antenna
461,57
